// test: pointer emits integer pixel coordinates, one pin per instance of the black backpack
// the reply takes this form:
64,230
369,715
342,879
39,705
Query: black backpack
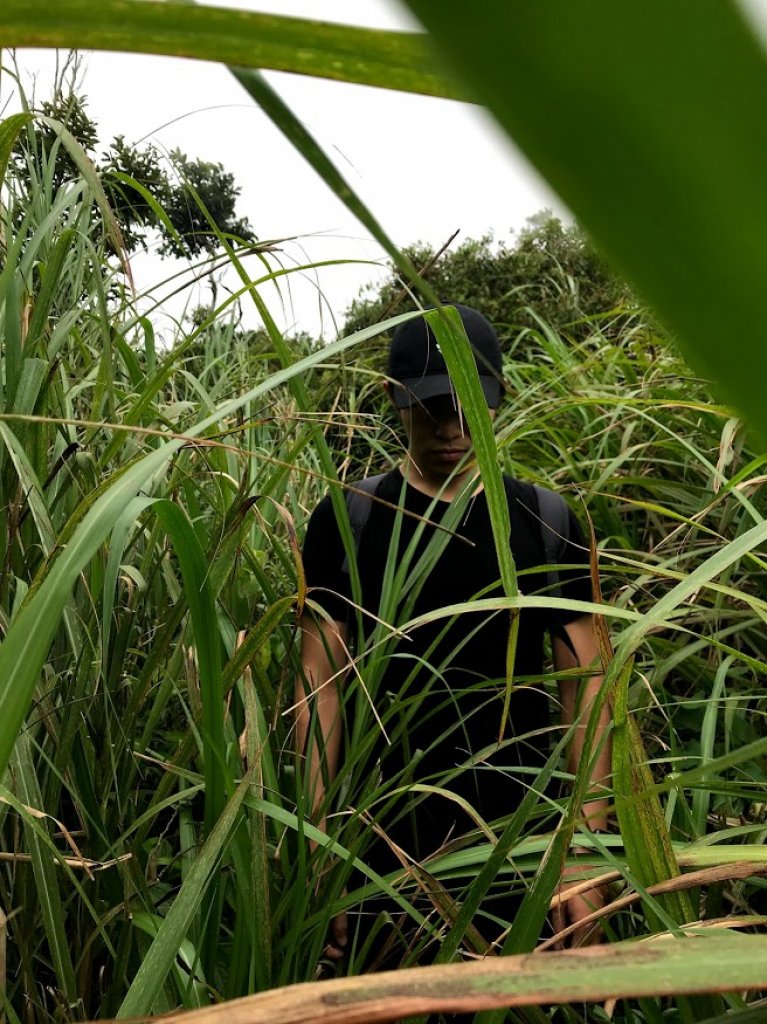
553,517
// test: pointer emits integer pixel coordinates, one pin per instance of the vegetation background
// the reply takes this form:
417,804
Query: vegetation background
155,847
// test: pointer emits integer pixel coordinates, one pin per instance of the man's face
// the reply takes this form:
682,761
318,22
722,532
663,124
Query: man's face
438,436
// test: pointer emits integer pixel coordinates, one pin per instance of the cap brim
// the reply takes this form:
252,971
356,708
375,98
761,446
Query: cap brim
419,389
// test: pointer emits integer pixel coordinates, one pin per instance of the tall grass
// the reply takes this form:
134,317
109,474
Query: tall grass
157,850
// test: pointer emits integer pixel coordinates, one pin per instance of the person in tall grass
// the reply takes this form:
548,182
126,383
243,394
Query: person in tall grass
426,708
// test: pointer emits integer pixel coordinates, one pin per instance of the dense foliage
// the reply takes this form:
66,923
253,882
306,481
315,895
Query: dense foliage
151,800
549,273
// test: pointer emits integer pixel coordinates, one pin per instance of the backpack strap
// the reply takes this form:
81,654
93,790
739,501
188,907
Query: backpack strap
555,529
359,507
554,521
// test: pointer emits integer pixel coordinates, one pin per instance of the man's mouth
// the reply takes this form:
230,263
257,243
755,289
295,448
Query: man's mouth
450,454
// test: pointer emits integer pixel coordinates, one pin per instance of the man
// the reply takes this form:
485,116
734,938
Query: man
424,709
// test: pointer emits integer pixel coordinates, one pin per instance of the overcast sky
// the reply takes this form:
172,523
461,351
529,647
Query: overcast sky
391,147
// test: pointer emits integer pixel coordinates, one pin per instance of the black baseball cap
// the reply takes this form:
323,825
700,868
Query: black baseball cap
417,367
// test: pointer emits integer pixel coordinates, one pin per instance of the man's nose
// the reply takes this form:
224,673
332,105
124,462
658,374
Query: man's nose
450,425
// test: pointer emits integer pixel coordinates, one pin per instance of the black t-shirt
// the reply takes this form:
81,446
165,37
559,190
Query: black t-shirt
441,694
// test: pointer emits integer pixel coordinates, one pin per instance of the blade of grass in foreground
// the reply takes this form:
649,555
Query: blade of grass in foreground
724,963
448,328
394,60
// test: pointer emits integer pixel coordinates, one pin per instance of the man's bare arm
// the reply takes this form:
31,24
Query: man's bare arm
323,657
577,696
317,693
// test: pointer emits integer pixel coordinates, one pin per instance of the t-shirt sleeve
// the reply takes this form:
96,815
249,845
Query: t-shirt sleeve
323,557
574,581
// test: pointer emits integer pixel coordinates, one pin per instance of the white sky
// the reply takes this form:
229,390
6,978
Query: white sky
390,146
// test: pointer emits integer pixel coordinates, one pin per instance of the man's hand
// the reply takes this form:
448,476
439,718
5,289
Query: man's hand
338,937
577,909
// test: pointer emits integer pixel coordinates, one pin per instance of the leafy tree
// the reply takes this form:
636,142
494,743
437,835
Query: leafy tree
198,198
217,193
143,165
70,111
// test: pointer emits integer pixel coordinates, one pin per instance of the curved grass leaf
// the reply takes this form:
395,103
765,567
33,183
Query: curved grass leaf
724,963
86,168
394,60
10,129
642,826
43,866
448,328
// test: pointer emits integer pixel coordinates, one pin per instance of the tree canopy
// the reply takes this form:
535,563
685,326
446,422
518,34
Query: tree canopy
185,202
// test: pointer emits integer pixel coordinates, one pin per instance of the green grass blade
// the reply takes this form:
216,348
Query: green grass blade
155,967
187,972
91,176
506,841
31,487
751,1015
24,648
26,644
119,539
50,282
394,60
197,591
296,133
701,798
47,884
448,328
641,822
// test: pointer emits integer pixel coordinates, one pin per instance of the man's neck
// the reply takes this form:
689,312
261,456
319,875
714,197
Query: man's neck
444,489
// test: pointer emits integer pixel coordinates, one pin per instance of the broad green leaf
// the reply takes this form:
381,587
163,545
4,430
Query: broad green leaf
648,121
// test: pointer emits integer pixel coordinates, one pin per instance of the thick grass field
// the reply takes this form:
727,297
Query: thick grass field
156,848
